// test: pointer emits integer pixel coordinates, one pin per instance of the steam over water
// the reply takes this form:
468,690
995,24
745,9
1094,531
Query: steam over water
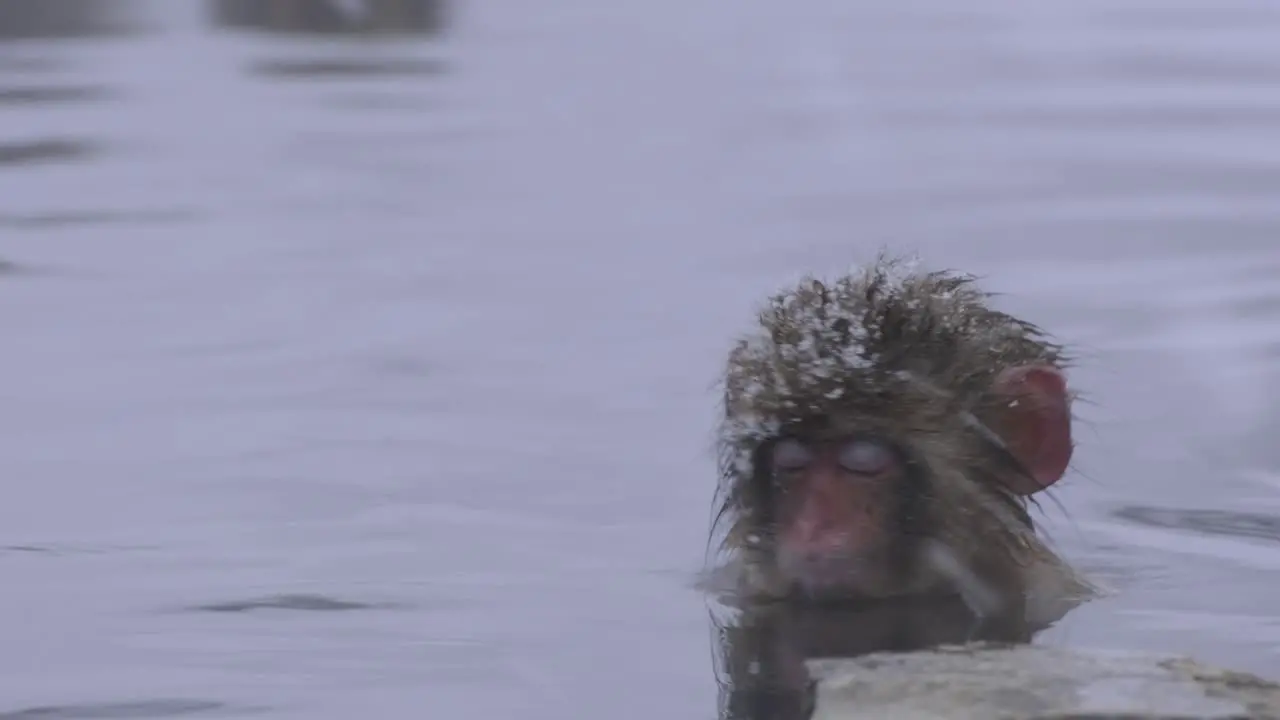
374,378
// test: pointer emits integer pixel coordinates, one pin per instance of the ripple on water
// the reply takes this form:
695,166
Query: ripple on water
1208,522
63,550
137,710
298,602
66,218
51,94
346,67
47,150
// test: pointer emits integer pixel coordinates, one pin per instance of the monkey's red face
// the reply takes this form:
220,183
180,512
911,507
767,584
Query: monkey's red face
839,504
849,510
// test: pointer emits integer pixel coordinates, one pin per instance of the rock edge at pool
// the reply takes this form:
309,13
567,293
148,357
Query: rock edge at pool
1034,682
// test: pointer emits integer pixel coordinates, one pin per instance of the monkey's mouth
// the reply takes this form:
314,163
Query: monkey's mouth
837,577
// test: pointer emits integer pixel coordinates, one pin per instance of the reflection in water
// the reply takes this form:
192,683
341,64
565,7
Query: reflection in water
761,651
24,19
331,16
375,101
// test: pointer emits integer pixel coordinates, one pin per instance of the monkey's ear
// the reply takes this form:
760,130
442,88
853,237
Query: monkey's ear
1035,422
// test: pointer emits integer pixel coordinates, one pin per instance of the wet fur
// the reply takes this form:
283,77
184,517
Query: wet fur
893,350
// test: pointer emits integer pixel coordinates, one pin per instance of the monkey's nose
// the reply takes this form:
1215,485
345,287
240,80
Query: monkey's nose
821,534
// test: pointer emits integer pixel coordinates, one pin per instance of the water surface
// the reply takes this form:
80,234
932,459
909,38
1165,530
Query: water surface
374,377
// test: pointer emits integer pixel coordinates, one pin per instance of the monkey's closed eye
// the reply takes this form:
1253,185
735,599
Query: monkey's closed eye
866,457
790,454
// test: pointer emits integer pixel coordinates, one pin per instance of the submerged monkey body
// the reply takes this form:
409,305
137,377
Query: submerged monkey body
882,434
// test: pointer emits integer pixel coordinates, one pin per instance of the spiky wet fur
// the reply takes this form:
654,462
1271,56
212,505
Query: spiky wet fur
885,348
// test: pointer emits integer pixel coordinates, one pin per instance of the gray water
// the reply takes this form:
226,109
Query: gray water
389,392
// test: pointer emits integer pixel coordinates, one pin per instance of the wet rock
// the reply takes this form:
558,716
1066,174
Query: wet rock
1035,683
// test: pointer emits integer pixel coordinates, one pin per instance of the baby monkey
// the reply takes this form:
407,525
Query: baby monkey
882,434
